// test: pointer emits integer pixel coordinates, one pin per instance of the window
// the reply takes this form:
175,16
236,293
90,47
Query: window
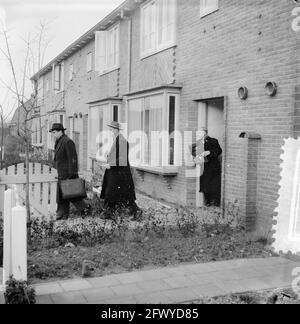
37,134
58,84
101,115
54,118
89,62
151,130
107,50
47,85
71,72
208,6
158,26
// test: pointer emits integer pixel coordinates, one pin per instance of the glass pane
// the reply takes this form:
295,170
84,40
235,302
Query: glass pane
171,128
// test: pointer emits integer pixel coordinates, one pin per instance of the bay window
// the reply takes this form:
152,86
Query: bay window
55,117
152,123
100,115
36,132
158,26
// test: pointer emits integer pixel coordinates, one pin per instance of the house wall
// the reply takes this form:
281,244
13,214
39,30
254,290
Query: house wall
244,43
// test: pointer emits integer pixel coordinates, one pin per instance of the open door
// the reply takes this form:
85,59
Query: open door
211,116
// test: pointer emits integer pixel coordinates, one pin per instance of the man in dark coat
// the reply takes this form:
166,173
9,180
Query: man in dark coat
118,186
67,168
210,180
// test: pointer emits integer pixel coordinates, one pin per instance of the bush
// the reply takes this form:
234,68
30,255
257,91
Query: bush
18,292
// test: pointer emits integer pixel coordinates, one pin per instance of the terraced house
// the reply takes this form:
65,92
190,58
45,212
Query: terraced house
175,66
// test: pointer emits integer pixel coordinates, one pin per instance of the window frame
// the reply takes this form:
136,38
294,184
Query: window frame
166,93
89,62
110,104
164,45
37,134
108,36
54,117
204,9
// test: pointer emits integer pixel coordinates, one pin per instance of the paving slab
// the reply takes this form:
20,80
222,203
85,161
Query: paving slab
74,285
75,297
177,284
98,295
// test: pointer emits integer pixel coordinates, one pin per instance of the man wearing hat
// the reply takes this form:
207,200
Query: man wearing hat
118,187
67,168
206,152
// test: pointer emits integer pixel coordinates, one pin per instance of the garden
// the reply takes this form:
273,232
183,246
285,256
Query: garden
164,236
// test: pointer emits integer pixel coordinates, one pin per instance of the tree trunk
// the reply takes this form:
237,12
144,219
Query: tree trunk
27,202
2,140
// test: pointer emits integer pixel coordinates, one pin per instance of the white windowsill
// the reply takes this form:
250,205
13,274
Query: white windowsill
109,71
169,171
161,49
206,13
38,145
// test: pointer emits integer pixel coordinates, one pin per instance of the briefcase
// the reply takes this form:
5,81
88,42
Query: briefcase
73,188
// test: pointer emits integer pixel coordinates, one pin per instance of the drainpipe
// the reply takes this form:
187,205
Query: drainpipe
129,53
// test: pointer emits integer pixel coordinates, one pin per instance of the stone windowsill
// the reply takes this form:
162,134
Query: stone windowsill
169,171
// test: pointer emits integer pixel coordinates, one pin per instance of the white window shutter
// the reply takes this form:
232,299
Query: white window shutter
53,76
118,46
62,76
213,5
100,51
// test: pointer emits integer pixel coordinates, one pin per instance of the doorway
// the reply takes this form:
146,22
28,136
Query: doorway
211,116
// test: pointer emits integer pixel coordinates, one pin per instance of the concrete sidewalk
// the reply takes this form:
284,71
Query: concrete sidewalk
178,284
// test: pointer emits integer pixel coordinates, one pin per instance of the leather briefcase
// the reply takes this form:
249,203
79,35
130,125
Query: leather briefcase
73,188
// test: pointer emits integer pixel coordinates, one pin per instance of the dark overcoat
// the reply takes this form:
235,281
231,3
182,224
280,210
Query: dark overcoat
210,181
118,185
66,162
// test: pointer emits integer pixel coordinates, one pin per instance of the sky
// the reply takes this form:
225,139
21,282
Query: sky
66,20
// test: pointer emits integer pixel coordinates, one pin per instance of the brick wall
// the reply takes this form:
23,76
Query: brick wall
244,43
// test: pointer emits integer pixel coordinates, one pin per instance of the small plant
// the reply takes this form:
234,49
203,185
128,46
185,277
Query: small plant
18,292
187,222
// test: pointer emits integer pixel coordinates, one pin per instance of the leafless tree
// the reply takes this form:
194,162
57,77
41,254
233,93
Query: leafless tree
35,48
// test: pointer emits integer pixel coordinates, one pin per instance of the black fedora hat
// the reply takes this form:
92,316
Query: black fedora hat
57,127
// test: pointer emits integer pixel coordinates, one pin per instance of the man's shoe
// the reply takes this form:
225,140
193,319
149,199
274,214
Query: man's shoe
137,216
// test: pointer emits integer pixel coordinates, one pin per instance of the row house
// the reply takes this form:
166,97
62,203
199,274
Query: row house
170,67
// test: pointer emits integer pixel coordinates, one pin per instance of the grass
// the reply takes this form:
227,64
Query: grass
278,296
130,254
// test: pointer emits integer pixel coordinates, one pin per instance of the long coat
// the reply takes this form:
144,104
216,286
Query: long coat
118,185
66,162
210,181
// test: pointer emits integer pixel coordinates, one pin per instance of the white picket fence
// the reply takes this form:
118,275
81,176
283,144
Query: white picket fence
43,183
14,237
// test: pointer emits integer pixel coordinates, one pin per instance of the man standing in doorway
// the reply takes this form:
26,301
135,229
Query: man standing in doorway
210,180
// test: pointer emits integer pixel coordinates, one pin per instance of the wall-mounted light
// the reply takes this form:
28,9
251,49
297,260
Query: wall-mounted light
75,115
271,89
80,115
243,93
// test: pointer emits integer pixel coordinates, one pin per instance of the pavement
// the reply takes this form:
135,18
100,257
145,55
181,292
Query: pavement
184,283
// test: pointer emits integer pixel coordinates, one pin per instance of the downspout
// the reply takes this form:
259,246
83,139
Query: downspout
129,53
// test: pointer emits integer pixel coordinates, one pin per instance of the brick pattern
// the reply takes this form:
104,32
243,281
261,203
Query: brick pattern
241,44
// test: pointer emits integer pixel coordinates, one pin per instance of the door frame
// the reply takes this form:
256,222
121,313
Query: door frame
199,196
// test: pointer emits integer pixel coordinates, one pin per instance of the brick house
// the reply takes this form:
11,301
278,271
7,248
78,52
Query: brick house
174,65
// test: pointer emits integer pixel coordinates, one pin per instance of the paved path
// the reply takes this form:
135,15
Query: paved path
179,284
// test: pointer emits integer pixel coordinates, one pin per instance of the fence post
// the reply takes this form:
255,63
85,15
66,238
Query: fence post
15,238
19,243
9,198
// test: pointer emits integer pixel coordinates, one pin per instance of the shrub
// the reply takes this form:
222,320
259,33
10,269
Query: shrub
18,292
187,222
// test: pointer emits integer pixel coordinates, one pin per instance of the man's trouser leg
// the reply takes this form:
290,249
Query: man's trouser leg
63,209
